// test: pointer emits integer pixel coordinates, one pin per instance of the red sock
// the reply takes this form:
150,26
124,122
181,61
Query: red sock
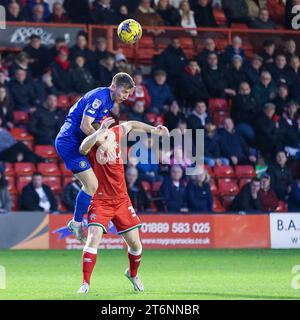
134,263
88,263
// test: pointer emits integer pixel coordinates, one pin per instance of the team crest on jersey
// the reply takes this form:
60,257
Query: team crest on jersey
93,216
96,104
82,164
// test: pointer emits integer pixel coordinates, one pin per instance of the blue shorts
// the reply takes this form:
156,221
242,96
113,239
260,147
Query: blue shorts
68,150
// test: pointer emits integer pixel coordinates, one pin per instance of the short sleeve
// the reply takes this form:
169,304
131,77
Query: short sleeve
93,106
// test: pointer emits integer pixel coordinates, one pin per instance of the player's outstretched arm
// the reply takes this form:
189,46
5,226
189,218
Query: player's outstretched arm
98,136
140,126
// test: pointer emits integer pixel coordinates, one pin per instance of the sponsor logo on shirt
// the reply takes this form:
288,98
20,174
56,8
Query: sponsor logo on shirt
96,104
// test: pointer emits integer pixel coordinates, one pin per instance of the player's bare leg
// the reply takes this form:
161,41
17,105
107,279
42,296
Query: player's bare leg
89,256
89,186
132,238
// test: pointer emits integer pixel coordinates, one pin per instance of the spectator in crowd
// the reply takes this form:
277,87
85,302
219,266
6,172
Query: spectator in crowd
236,73
180,158
291,127
295,74
121,64
101,51
204,16
281,176
122,14
282,98
187,17
5,199
12,150
21,62
140,92
22,92
280,70
70,193
147,16
269,52
174,116
6,108
234,49
209,47
38,14
290,49
45,123
106,70
199,196
267,195
265,90
294,197
61,72
276,10
215,78
212,153
233,146
263,20
254,69
247,200
269,134
192,86
60,42
160,92
78,11
14,12
40,58
199,117
168,13
253,7
84,80
58,14
103,12
172,60
244,111
37,196
173,191
137,194
137,112
236,11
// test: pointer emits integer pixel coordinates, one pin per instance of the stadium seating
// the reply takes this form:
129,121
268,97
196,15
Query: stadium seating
21,134
217,206
48,169
228,187
216,105
24,168
244,171
20,117
9,169
54,183
63,101
46,151
224,171
22,181
65,172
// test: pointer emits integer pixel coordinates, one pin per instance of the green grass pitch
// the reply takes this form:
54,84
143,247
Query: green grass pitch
166,274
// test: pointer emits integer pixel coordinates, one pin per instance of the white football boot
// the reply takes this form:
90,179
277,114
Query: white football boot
84,288
77,231
136,281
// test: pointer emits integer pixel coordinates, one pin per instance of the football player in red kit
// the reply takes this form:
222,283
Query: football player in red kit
111,201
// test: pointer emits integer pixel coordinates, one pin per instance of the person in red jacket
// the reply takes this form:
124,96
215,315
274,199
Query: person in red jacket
267,196
276,9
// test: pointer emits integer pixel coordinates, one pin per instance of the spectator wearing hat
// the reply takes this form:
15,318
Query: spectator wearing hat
236,73
160,92
61,72
5,199
58,14
140,92
265,90
281,176
40,58
280,70
267,195
254,69
84,81
247,200
294,197
269,52
192,86
263,20
106,70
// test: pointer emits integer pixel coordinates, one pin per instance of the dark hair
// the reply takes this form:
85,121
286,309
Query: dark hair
255,179
37,174
268,43
123,79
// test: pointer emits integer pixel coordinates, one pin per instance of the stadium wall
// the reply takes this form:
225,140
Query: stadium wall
36,230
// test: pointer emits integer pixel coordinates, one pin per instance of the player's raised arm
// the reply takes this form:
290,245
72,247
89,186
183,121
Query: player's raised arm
97,137
140,126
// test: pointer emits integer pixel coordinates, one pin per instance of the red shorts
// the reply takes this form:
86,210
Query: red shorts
119,211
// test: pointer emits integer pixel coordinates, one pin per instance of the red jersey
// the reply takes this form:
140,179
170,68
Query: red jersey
111,176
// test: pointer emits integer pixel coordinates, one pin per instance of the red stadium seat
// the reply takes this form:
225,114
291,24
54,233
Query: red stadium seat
146,42
145,55
147,187
151,117
244,181
22,182
228,187
219,16
156,186
160,120
63,101
217,207
46,151
20,117
226,201
245,171
215,104
9,169
282,207
219,117
48,169
239,26
213,187
67,180
224,172
74,99
11,185
24,168
54,183
209,170
21,134
186,42
64,171
15,201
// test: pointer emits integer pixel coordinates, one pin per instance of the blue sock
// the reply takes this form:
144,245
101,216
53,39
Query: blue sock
83,201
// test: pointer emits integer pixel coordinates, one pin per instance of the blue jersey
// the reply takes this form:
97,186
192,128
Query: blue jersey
96,104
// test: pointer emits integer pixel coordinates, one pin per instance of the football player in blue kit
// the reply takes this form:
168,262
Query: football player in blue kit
93,107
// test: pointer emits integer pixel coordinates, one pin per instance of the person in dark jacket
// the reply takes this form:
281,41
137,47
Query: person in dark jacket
137,112
199,196
174,116
15,13
236,73
192,86
263,21
209,47
70,193
39,55
254,69
268,52
78,11
236,11
5,199
61,72
247,200
280,70
267,195
168,13
173,191
294,197
199,117
282,98
281,176
45,123
204,16
37,196
6,108
233,49
106,70
104,13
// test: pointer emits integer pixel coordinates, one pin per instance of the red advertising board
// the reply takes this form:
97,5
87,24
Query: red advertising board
162,231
